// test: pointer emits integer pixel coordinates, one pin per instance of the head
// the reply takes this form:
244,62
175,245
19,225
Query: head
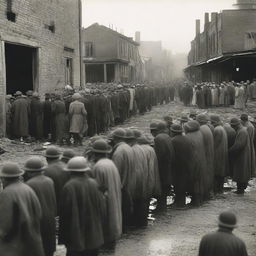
76,96
10,173
227,220
202,119
78,165
235,123
176,130
130,137
215,120
153,128
100,149
34,166
118,135
52,154
67,155
244,118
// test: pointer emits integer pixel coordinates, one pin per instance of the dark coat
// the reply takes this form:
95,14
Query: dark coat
182,163
222,243
240,153
36,108
44,189
20,114
47,108
56,172
82,214
20,221
165,156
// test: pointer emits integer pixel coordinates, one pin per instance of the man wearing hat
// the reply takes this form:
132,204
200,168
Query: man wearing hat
181,165
165,155
67,155
44,189
55,171
221,164
251,131
123,157
20,215
108,178
240,153
209,153
82,211
223,242
78,120
20,116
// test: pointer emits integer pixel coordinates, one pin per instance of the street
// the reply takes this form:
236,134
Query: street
175,232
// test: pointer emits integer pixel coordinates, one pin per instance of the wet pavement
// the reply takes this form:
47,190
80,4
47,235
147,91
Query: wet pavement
174,232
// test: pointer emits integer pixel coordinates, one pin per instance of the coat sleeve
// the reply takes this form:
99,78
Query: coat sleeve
239,144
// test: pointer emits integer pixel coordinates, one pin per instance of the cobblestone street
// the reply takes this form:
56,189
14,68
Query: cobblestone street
174,232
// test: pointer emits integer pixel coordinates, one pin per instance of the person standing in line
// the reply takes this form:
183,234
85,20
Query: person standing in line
44,189
223,242
82,212
20,215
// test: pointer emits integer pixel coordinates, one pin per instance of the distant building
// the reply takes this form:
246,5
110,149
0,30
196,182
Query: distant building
39,47
226,49
110,56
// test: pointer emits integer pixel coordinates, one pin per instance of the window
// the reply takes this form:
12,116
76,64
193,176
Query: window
68,71
88,49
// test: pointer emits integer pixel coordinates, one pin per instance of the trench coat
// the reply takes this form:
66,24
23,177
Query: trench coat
222,243
77,114
107,176
182,163
165,156
20,117
221,167
153,185
209,154
240,152
20,221
44,189
82,214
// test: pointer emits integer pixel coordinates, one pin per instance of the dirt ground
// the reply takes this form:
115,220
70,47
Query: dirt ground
173,233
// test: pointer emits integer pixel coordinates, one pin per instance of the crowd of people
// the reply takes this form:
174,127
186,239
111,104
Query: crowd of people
208,94
60,117
98,196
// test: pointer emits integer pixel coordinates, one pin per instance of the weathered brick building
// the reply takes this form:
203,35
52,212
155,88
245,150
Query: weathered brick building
110,56
226,49
39,46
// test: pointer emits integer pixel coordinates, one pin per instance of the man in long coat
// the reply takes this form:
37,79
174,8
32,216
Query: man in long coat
44,189
78,121
108,178
221,168
209,153
182,164
198,162
47,115
240,153
82,211
20,116
123,158
20,215
251,131
223,242
165,155
55,171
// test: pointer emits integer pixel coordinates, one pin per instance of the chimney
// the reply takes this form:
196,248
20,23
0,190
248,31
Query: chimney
214,16
206,20
137,36
197,27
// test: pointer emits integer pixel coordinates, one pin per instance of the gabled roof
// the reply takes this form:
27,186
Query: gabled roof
96,25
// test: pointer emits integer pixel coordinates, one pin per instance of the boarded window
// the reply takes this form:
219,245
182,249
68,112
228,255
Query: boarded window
68,71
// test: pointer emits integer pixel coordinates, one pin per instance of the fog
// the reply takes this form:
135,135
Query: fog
169,21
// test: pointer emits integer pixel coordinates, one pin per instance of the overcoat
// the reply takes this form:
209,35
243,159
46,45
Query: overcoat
221,167
20,221
107,176
240,152
36,108
44,189
20,114
222,243
82,214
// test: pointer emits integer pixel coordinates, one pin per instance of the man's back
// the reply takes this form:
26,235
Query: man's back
222,243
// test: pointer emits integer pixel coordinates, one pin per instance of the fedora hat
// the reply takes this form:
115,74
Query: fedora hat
101,146
10,170
34,164
78,164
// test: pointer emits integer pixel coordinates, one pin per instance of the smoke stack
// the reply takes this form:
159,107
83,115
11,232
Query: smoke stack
137,36
245,4
197,27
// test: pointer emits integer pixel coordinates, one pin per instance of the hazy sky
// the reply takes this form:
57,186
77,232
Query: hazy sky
169,21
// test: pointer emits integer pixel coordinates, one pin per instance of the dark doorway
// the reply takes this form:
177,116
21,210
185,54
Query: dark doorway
94,73
110,73
19,68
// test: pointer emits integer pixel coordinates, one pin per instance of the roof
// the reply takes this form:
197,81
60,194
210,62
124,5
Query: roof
104,60
130,39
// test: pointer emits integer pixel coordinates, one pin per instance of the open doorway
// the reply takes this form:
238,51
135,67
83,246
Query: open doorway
21,68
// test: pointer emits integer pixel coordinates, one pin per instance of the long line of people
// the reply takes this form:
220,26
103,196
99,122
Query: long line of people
61,116
225,94
98,196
